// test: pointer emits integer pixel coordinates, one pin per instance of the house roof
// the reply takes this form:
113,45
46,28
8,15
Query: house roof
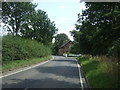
64,44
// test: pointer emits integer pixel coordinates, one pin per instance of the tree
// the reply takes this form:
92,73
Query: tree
15,14
60,39
39,27
98,28
22,19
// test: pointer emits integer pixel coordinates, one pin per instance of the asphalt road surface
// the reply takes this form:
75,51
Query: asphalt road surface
61,72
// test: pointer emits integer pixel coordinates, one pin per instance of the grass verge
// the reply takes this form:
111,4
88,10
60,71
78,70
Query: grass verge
100,74
11,65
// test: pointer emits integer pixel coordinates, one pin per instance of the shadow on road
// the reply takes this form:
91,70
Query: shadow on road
61,71
56,74
40,83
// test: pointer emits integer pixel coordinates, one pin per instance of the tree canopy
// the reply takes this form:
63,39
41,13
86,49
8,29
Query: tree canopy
14,15
39,27
21,19
98,29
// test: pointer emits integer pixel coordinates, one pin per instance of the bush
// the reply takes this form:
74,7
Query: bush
17,48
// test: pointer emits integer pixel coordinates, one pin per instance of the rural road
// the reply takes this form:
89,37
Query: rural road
61,72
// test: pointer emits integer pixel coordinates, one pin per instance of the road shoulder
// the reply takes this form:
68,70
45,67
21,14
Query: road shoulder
14,71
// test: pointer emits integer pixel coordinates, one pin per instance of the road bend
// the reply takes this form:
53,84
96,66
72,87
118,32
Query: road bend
60,72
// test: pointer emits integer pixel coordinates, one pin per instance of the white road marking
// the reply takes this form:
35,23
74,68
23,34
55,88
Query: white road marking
25,69
81,79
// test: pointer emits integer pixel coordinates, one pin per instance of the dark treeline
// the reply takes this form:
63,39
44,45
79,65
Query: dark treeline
30,31
98,30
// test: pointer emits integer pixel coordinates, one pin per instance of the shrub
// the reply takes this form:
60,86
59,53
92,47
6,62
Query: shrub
17,48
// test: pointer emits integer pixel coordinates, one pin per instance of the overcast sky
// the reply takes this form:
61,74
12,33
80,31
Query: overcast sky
63,12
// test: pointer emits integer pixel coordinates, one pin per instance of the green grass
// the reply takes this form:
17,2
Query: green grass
11,65
98,73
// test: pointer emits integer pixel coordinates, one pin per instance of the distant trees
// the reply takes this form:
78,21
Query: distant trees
21,19
98,29
59,40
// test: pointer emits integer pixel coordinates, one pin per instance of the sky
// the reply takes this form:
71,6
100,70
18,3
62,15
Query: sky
63,12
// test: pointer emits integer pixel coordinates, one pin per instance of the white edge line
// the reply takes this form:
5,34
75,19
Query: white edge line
26,69
80,76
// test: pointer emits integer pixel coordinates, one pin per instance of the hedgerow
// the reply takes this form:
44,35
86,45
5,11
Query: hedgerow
17,48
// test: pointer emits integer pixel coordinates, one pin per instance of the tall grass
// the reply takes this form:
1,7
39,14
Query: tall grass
100,73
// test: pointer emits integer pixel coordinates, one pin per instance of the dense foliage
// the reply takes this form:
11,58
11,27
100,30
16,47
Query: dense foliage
98,29
17,48
21,19
99,72
15,14
60,39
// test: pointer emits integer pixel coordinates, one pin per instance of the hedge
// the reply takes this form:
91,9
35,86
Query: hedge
17,48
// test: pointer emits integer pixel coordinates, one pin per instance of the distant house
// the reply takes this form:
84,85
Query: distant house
65,48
